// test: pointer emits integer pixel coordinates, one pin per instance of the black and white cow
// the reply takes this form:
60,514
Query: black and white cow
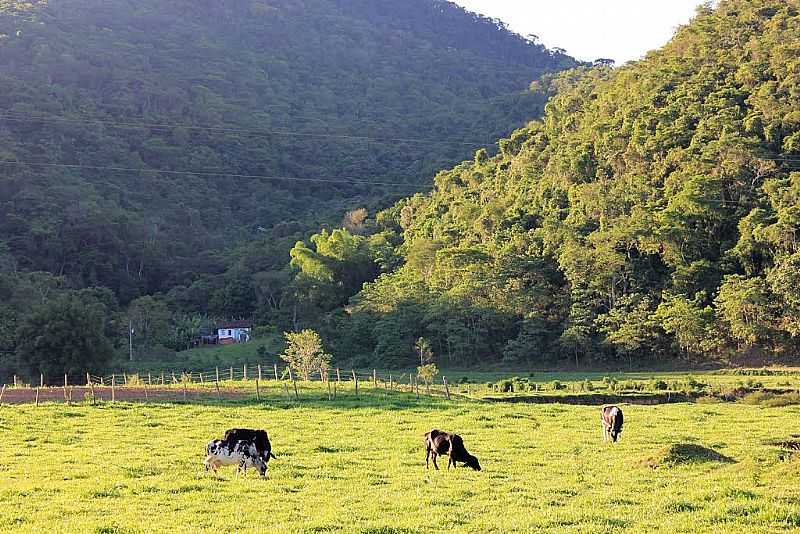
242,454
242,446
611,420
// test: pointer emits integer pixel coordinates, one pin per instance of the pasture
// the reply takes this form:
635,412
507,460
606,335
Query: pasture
358,466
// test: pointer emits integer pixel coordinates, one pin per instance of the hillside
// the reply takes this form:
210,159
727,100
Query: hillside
653,214
116,116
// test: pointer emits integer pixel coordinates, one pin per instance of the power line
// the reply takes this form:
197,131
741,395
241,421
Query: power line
219,129
214,173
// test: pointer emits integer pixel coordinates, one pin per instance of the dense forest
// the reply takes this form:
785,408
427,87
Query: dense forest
172,153
651,217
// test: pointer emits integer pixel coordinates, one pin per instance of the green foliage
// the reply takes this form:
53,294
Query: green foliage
65,335
304,353
427,373
651,214
245,88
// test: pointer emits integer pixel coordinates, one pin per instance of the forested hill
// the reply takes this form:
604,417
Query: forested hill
116,115
652,214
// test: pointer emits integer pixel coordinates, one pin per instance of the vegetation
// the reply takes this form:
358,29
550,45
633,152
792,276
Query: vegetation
306,111
544,467
651,216
304,353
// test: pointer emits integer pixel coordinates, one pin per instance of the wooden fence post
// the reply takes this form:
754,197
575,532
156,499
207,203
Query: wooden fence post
88,379
124,379
41,380
275,368
231,374
37,396
149,379
3,390
217,376
446,389
144,386
416,384
374,378
184,390
216,383
113,388
162,378
355,379
259,371
391,383
174,380
15,380
258,392
65,388
201,377
91,390
244,371
338,376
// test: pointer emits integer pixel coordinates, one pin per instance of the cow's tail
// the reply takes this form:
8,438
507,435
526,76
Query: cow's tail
272,455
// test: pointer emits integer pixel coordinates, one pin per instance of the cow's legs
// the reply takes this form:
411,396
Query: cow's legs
434,461
427,458
449,461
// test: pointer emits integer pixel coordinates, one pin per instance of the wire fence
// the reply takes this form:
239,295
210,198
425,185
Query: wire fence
259,382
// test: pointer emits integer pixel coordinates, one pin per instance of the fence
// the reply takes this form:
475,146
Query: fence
229,383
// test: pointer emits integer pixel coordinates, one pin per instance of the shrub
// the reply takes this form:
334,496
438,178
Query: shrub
555,385
659,385
505,386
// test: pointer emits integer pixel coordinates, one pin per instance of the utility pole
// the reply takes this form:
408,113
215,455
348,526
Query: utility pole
130,339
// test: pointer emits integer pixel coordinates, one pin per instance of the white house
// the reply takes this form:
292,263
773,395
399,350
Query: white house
234,332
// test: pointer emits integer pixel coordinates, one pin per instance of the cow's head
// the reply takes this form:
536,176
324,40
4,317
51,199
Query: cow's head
261,465
472,462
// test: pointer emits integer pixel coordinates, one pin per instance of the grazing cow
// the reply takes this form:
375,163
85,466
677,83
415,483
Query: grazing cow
241,453
258,438
438,442
611,421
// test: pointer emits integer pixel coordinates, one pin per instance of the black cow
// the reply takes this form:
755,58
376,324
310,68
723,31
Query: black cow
438,442
611,420
259,438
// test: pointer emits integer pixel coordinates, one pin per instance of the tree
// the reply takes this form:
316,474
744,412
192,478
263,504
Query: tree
150,319
423,349
304,353
64,336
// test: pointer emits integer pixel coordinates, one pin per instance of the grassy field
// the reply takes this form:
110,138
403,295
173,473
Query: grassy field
358,466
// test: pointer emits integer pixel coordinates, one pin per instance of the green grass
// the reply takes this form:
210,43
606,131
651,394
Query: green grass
358,466
208,357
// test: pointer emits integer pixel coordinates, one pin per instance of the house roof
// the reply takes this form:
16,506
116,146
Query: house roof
237,324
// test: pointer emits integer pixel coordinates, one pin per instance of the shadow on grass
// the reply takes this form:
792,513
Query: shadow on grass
595,399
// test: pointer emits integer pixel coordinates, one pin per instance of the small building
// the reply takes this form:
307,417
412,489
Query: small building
234,332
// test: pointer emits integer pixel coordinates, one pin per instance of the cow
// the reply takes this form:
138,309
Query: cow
259,438
242,453
248,448
611,420
438,442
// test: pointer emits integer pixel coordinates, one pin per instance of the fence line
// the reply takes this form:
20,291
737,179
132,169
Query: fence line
165,385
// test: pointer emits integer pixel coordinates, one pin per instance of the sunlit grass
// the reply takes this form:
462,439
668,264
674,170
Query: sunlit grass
358,466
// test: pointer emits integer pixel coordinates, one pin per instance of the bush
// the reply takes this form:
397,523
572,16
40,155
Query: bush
555,385
659,385
505,386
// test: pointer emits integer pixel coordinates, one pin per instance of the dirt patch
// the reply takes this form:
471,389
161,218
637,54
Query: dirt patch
124,394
